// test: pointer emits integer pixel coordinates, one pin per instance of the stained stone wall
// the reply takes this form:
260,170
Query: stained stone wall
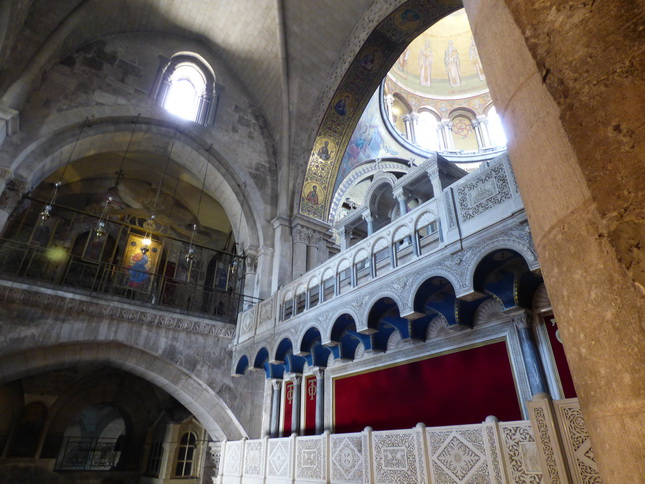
186,356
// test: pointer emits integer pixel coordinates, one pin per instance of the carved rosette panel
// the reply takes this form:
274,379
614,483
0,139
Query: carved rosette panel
310,458
232,458
279,452
247,321
253,458
266,312
577,443
347,458
398,458
520,452
483,193
458,456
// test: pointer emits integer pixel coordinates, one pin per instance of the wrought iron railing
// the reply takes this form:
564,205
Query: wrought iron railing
65,252
90,454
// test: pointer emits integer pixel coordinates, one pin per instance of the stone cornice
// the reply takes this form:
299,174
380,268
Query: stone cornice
32,296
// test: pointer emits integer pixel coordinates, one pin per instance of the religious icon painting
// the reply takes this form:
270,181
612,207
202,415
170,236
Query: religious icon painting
325,148
313,193
344,103
407,19
141,261
370,58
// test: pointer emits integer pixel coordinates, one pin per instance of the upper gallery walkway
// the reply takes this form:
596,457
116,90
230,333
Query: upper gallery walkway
393,263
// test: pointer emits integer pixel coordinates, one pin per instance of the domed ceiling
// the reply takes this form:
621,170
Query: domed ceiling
442,62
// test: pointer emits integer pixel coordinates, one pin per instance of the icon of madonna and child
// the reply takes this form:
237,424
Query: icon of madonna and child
140,262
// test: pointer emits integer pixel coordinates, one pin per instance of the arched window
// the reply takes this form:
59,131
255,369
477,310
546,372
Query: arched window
186,88
186,455
495,128
427,132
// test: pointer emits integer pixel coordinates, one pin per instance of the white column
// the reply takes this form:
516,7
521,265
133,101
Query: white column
300,243
483,126
389,101
319,373
282,262
414,124
297,403
446,131
409,133
276,387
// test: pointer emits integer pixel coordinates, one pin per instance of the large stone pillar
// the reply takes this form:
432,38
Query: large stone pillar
300,243
264,272
282,262
567,80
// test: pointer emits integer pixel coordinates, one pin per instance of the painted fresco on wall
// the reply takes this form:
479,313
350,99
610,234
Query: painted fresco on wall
367,70
370,140
443,58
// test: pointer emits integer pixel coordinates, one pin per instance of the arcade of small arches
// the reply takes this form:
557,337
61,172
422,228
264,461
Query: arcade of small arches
461,130
501,276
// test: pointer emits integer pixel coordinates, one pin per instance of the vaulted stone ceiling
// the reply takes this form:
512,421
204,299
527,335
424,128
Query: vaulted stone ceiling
247,34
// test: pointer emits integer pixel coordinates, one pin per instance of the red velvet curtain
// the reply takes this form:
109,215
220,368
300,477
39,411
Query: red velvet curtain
451,389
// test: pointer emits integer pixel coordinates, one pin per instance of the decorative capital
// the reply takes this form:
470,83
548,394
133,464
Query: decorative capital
318,372
400,195
294,378
520,320
276,384
301,235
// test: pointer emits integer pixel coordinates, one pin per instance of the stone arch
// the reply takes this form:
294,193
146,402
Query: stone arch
343,264
425,217
378,182
313,281
281,349
360,255
350,312
462,111
261,357
430,109
350,68
421,278
111,134
380,244
242,365
400,231
361,173
504,275
374,300
523,248
191,392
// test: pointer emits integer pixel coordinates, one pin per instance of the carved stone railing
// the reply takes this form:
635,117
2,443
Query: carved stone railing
492,452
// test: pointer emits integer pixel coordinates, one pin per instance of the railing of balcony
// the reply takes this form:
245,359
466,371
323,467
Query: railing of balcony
91,454
64,252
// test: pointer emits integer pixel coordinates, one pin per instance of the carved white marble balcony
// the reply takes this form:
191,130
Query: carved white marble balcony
446,236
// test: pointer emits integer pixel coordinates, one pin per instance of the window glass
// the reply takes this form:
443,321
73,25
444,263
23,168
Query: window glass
185,455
